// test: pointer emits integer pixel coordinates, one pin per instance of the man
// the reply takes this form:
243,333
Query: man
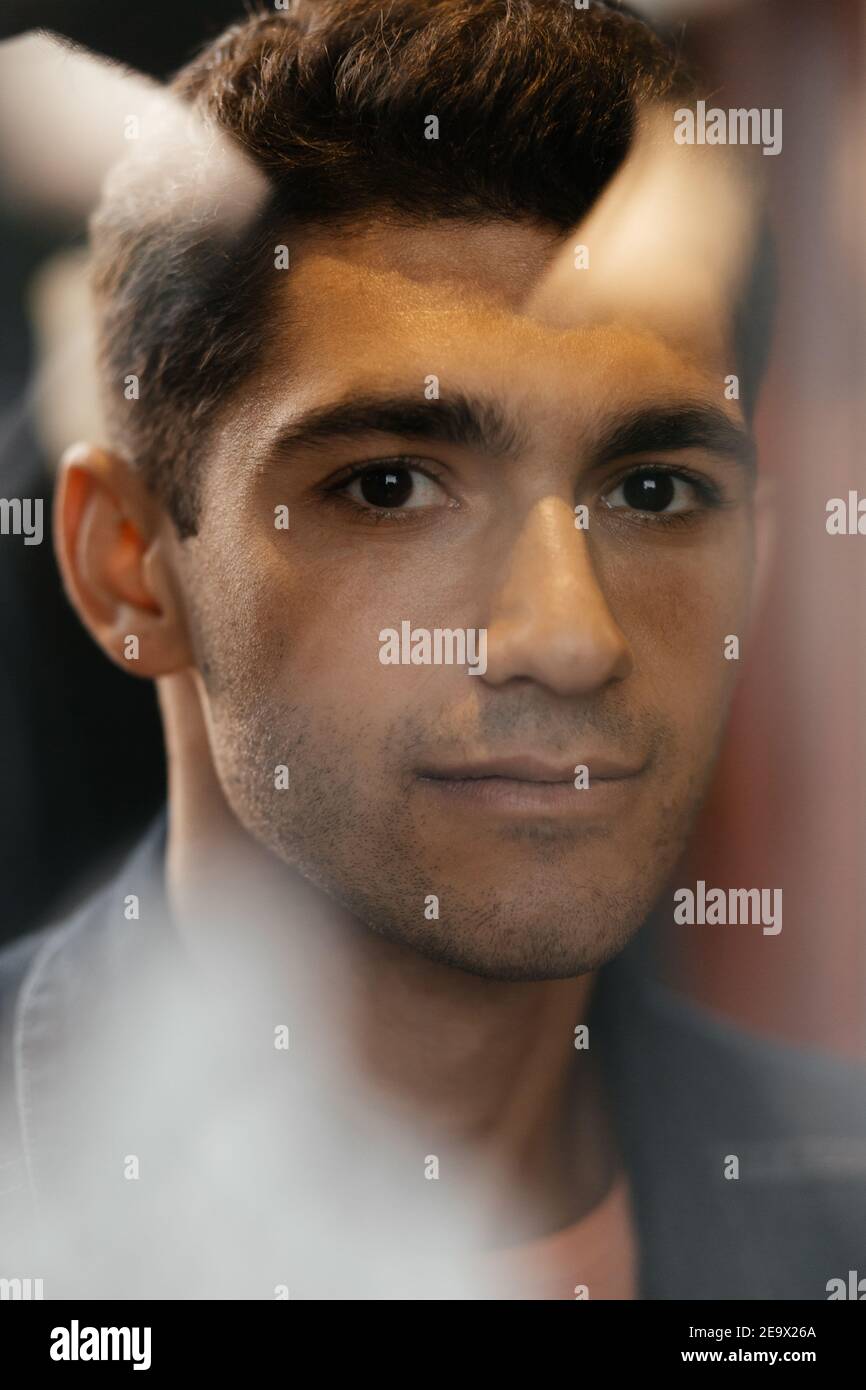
429,507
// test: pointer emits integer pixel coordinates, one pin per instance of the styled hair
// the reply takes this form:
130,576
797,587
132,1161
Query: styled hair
330,99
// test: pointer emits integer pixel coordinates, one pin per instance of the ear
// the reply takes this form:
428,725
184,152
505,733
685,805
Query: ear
111,540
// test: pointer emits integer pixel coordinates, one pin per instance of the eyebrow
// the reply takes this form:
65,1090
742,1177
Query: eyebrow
475,423
658,429
461,419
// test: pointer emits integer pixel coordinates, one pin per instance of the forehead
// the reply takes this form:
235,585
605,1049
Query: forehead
478,306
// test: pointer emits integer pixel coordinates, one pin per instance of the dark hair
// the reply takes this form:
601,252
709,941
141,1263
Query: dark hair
536,102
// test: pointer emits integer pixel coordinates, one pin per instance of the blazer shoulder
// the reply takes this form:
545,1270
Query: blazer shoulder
808,1089
23,962
17,958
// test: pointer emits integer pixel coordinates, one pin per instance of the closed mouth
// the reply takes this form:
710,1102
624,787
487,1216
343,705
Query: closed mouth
535,769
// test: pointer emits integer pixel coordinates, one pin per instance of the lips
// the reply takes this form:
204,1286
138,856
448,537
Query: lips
537,768
538,787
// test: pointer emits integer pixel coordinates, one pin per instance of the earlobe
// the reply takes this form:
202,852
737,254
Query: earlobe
109,533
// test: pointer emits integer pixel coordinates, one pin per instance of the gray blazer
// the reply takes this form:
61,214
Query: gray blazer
688,1091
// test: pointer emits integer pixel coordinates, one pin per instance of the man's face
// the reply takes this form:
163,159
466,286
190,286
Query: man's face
605,639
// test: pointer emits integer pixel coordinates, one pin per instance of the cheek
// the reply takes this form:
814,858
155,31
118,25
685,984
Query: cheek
297,626
678,608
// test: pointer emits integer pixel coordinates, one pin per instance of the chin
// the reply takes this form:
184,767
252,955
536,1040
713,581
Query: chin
519,949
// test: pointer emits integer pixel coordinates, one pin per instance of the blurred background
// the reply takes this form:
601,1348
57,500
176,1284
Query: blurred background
81,764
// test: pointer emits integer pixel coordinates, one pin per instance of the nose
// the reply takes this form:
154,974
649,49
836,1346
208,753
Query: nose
549,620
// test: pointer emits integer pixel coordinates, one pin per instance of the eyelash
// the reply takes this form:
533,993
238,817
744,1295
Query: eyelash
710,493
334,491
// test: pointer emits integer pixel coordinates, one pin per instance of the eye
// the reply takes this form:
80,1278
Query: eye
659,491
393,487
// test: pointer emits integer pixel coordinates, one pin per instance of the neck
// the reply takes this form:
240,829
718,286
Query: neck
481,1068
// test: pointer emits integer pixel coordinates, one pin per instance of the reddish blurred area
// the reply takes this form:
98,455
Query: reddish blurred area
788,808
